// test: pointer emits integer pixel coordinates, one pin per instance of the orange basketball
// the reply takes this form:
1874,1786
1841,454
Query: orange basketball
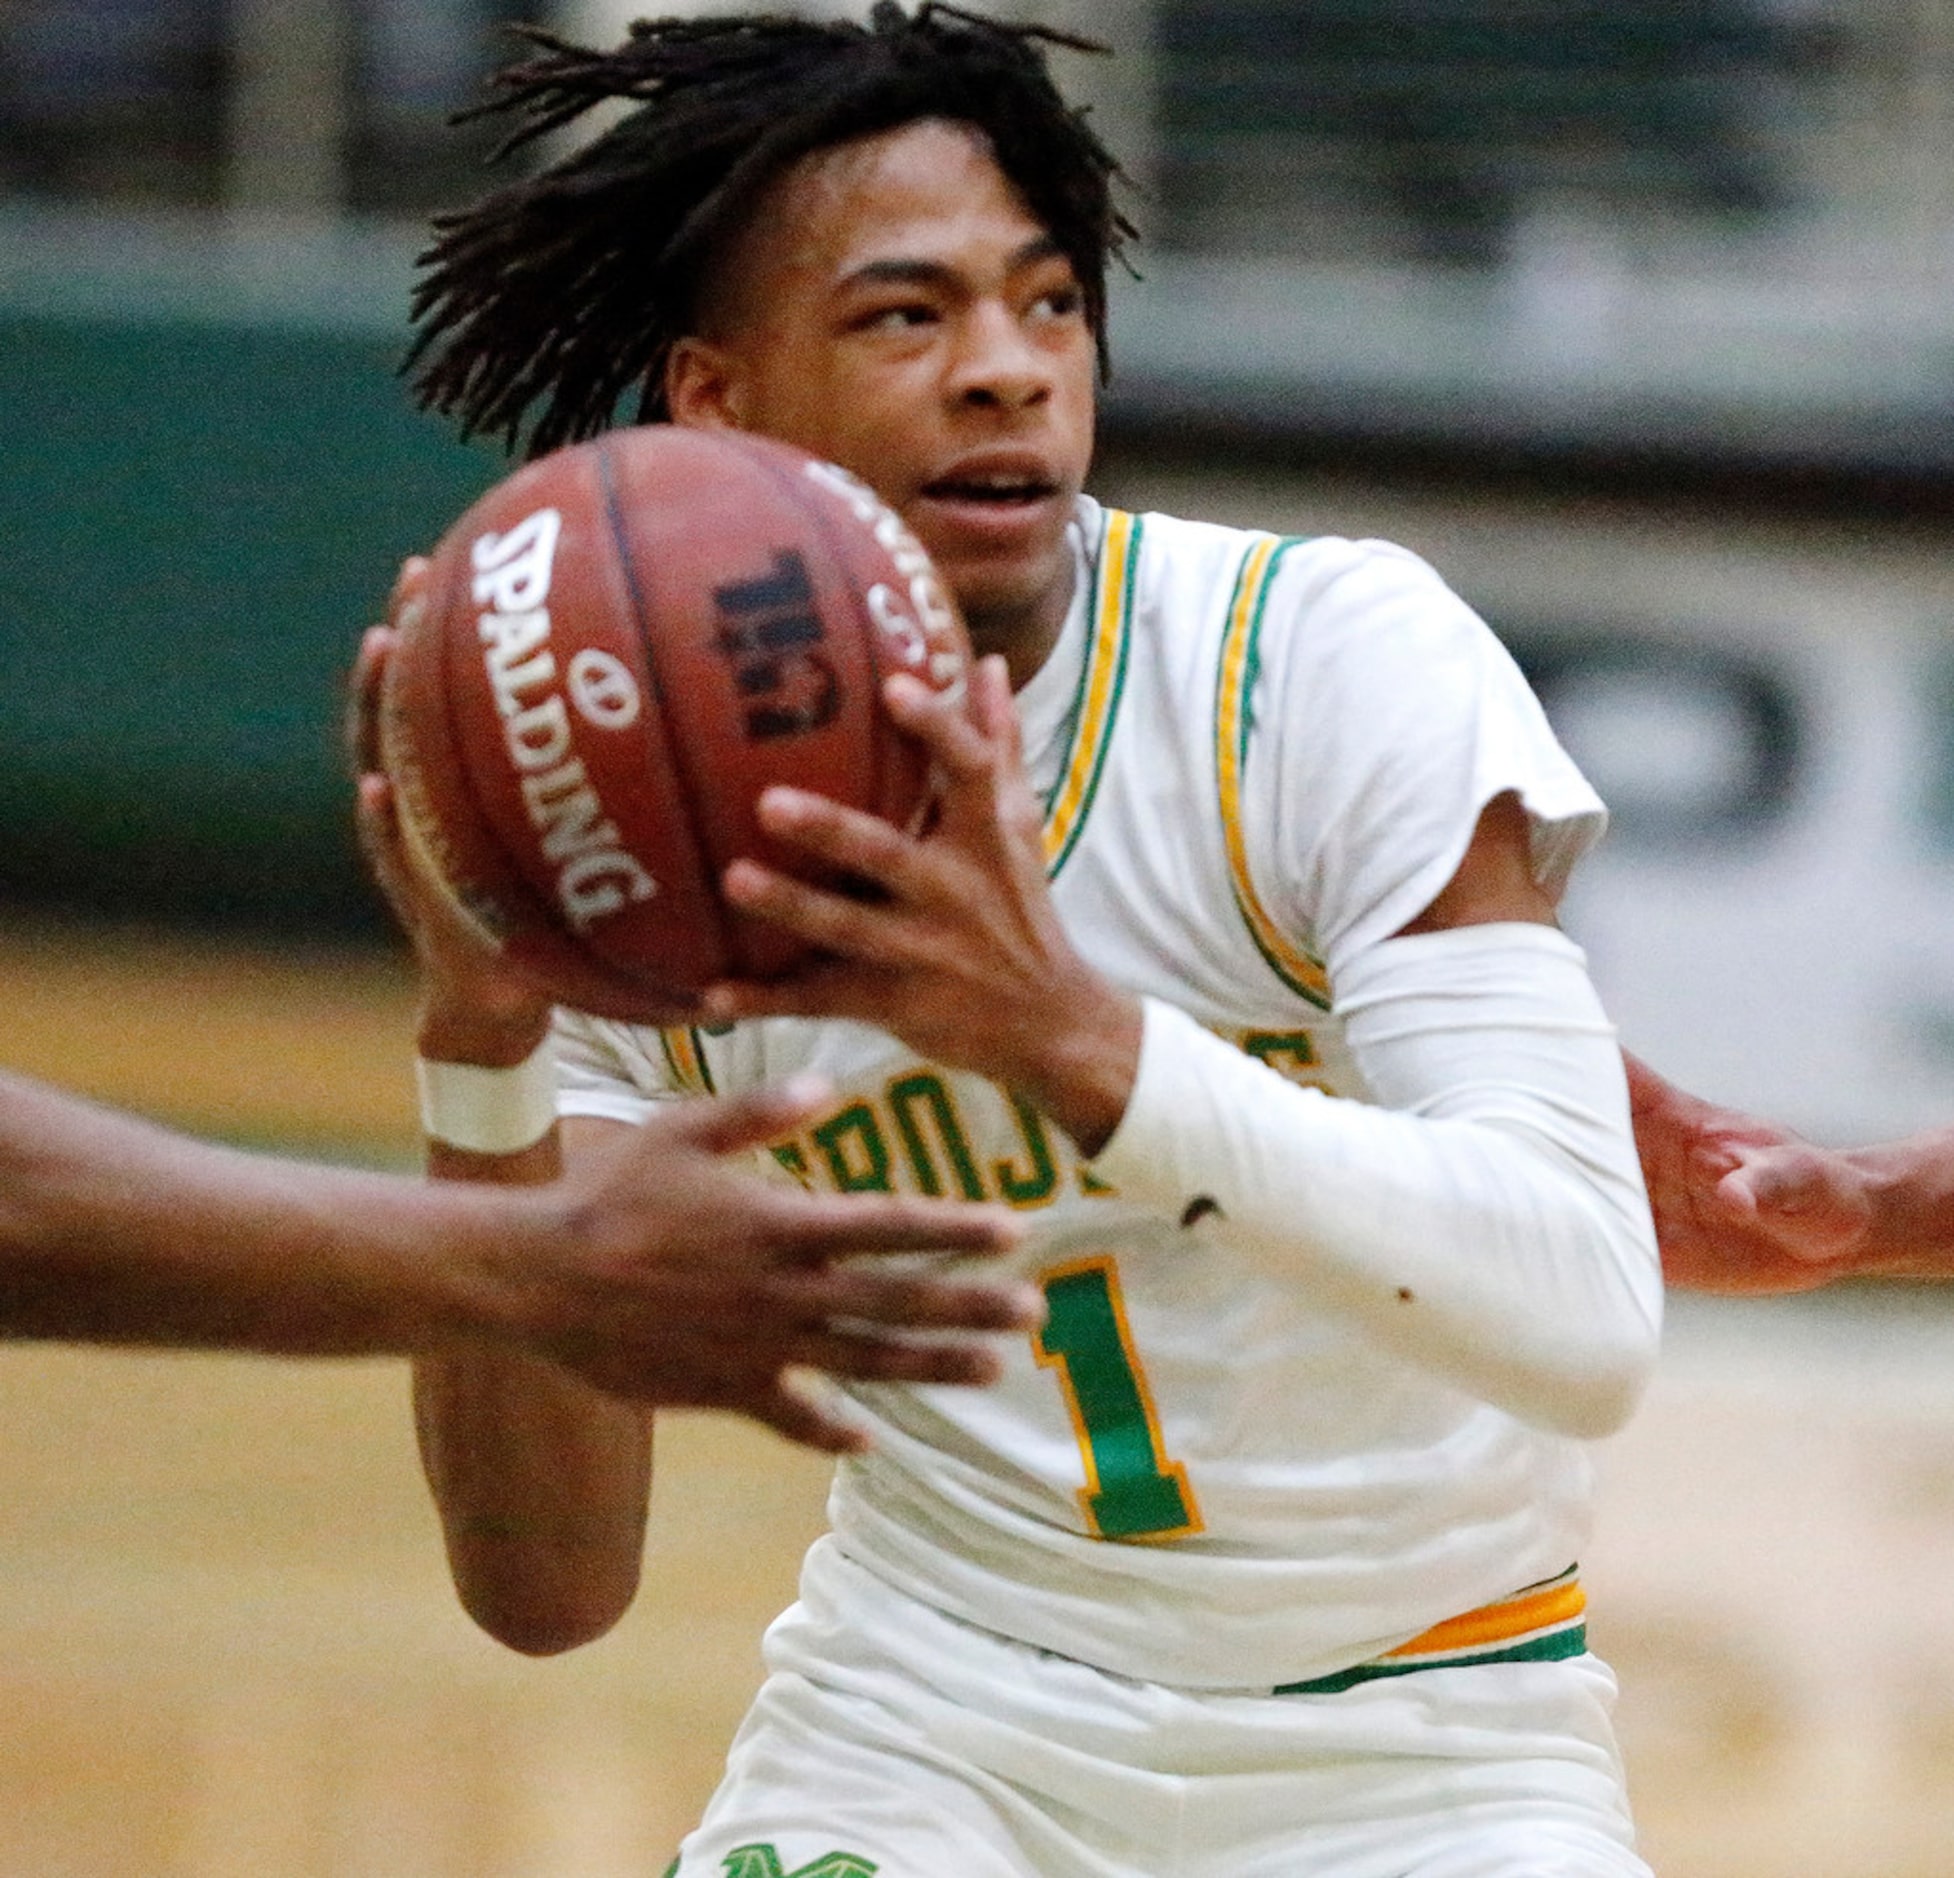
618,648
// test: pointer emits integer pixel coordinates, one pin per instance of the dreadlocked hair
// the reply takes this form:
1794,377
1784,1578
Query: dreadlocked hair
546,303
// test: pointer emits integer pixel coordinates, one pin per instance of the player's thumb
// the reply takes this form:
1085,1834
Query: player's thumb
378,825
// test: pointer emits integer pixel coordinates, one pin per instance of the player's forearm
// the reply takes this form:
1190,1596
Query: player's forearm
1910,1185
113,1230
541,1482
1495,1234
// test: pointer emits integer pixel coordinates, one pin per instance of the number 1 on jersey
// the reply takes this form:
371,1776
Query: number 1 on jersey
1132,1490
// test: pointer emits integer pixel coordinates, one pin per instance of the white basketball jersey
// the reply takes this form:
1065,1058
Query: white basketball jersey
1260,757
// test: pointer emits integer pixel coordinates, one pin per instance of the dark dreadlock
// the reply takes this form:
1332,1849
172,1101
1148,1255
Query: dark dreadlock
548,301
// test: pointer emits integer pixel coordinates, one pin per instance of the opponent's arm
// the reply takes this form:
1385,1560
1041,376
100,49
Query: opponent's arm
116,1231
1488,1223
1743,1206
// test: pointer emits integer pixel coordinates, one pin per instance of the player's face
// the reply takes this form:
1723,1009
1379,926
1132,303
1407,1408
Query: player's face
894,307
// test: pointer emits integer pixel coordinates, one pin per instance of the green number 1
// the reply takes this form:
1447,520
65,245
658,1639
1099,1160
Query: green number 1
1132,1490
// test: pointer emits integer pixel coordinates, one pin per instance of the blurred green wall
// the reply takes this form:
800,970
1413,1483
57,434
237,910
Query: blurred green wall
204,491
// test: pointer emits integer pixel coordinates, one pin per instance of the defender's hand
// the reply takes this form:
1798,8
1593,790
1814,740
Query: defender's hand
1740,1205
662,1271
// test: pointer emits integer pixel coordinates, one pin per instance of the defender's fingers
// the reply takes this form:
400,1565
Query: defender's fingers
911,1300
807,1229
734,1123
803,1408
962,1365
813,1227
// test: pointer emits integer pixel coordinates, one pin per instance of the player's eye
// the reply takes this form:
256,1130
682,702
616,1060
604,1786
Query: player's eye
1060,303
903,317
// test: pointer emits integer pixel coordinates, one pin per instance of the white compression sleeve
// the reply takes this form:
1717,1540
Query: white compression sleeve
1487,1222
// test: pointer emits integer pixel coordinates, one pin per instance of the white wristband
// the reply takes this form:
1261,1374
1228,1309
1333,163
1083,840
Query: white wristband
489,1111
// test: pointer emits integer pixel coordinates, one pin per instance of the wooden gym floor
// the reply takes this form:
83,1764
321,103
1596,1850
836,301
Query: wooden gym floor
228,1648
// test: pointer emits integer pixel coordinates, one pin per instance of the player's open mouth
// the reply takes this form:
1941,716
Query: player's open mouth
992,491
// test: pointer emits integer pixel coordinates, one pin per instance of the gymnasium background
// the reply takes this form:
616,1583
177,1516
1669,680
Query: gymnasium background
1634,315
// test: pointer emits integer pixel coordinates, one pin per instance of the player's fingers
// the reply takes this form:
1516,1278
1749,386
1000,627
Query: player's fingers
862,845
406,605
362,722
962,749
868,935
990,706
410,584
740,1000
378,827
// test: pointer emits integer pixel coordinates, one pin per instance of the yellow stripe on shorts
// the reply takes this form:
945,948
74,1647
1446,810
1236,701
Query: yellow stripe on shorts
1542,1623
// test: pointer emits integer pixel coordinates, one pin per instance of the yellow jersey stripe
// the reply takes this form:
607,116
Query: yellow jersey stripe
1110,616
1298,968
685,1057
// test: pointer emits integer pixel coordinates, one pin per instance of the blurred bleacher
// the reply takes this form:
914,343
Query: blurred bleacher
1434,126
1632,243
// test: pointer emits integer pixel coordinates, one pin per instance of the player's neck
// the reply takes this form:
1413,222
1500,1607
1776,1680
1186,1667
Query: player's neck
1024,634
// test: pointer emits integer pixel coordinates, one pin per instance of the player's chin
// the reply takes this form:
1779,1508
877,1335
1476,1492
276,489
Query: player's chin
999,587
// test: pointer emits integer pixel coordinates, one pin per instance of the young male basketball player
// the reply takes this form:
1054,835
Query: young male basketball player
1230,962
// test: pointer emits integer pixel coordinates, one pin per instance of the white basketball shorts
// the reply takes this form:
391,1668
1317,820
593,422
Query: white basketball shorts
890,1739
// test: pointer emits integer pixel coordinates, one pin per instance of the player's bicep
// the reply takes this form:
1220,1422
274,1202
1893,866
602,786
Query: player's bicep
1495,880
1416,784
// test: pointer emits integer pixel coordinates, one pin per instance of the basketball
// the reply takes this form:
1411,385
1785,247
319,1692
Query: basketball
614,652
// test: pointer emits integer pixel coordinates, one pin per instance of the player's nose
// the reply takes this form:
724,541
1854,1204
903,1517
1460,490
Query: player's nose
997,362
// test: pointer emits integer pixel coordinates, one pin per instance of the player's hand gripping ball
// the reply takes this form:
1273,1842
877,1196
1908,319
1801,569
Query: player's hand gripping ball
619,648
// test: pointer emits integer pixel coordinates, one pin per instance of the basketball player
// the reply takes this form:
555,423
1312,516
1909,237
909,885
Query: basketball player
1742,1205
662,1273
1230,961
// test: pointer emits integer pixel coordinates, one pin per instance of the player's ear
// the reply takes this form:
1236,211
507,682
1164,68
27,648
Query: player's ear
702,386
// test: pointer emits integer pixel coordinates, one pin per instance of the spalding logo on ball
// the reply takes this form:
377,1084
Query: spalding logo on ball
615,651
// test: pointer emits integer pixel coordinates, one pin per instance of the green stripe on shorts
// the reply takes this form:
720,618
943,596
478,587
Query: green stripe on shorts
1552,1648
